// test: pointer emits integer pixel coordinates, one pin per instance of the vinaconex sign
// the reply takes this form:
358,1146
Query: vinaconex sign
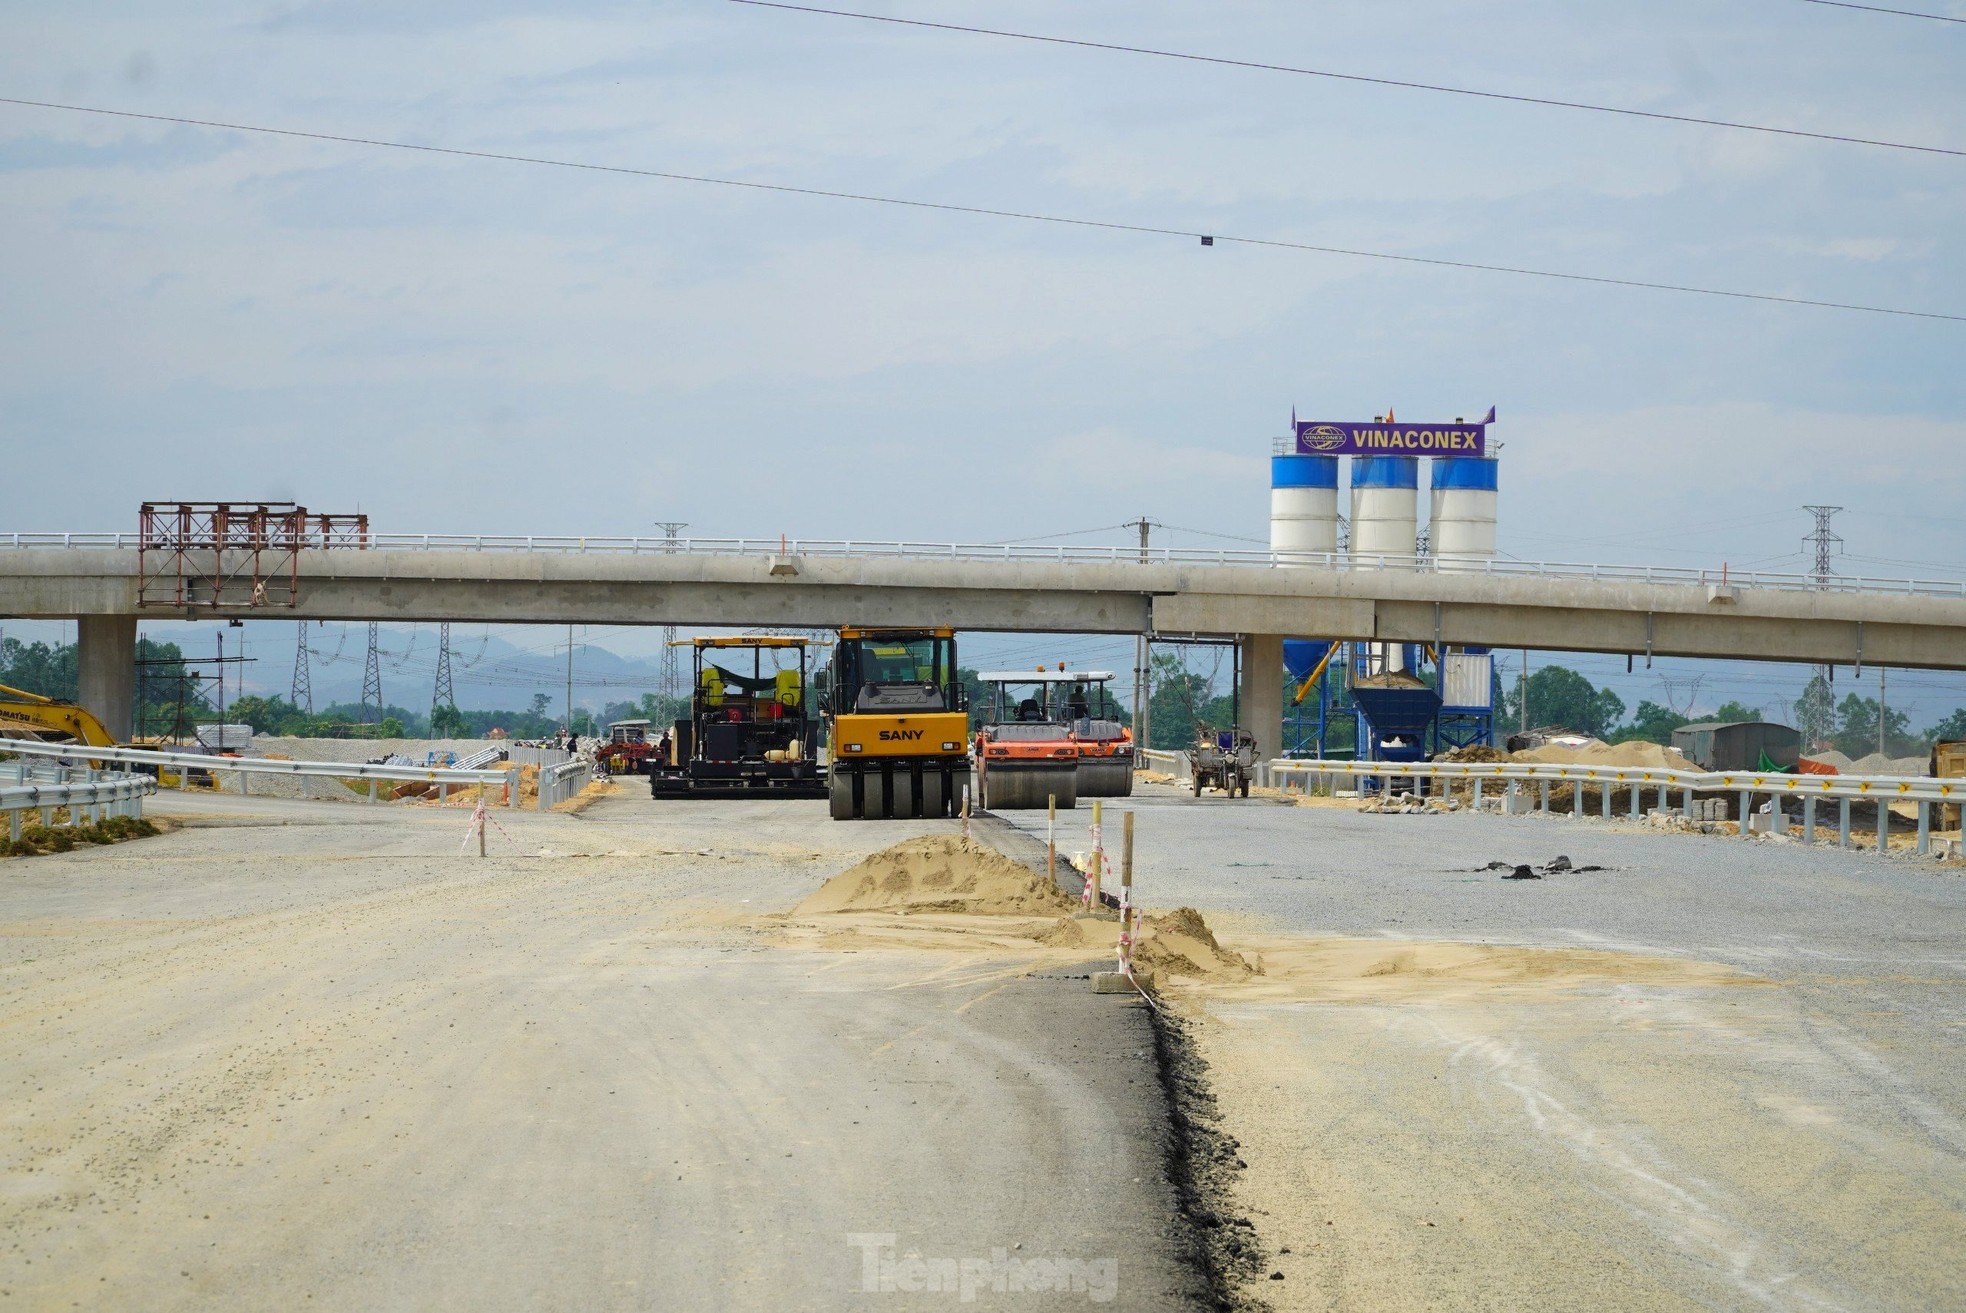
1323,438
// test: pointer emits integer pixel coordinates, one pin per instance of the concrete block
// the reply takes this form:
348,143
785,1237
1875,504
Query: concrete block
1113,982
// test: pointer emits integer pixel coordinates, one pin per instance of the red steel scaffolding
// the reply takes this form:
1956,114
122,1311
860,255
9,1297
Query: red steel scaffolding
233,554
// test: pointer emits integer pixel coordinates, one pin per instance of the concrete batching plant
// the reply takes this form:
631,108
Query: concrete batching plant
1401,701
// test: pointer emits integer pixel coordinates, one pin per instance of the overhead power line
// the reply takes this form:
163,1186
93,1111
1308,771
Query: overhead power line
1152,230
1335,76
1898,13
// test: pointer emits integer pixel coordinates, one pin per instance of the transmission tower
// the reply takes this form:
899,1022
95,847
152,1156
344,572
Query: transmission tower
1827,544
371,683
442,697
672,666
303,692
1824,540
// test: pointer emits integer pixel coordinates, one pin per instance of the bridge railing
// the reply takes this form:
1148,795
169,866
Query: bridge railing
1029,553
1508,778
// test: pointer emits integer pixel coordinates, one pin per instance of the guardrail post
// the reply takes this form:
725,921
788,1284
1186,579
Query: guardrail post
1686,802
1924,828
1604,798
512,787
1747,813
1883,826
1477,793
13,826
1545,796
1808,820
1843,822
1509,798
1638,805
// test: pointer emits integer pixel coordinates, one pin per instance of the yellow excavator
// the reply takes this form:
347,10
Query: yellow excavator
25,715
899,730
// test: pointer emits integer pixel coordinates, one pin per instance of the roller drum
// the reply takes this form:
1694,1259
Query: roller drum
1105,777
1028,788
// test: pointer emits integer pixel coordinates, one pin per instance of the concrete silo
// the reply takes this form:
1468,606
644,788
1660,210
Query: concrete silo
1304,505
1463,524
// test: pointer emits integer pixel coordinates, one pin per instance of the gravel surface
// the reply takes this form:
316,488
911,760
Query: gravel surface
308,1056
1427,1139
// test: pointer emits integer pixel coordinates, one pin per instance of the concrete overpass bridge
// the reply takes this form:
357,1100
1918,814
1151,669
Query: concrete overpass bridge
1257,598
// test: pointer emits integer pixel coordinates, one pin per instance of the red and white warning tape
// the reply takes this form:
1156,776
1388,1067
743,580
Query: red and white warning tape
481,817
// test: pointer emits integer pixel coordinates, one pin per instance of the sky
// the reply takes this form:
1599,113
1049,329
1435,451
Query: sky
464,345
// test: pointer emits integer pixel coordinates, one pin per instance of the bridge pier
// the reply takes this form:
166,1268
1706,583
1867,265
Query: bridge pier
1261,693
106,669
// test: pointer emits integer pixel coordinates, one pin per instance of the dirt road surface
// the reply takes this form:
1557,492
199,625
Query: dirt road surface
1718,1075
307,1055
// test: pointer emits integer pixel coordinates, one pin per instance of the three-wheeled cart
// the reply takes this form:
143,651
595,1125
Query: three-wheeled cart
1223,759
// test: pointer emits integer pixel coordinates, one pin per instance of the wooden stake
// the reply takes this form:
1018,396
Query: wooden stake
1126,860
1051,841
1098,857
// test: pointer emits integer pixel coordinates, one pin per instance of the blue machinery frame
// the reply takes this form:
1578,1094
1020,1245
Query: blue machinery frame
1311,726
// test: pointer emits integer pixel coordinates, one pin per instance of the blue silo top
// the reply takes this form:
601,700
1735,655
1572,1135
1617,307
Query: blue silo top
1385,471
1475,473
1303,471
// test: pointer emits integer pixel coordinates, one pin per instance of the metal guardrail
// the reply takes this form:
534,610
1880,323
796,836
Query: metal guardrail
1090,555
183,763
520,754
558,783
1748,785
34,786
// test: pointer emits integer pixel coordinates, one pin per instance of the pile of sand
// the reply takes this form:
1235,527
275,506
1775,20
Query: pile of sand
939,873
1181,944
1475,752
467,795
1635,754
1879,764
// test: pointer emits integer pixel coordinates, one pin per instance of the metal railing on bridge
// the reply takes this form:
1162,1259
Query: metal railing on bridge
858,549
1510,777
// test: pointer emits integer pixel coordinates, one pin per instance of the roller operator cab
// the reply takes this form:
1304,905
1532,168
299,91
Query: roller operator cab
899,729
749,729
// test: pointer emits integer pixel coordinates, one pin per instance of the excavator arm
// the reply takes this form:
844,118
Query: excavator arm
31,715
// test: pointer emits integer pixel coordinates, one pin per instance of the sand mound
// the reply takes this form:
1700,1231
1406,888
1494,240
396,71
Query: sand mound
1639,754
1181,944
1879,764
939,873
1379,971
1477,752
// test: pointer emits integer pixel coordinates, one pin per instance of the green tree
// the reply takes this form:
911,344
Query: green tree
658,709
1732,712
1560,696
1181,701
539,704
1651,723
44,668
391,728
1856,730
1950,730
448,722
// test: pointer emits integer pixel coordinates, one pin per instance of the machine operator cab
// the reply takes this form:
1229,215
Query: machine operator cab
895,707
